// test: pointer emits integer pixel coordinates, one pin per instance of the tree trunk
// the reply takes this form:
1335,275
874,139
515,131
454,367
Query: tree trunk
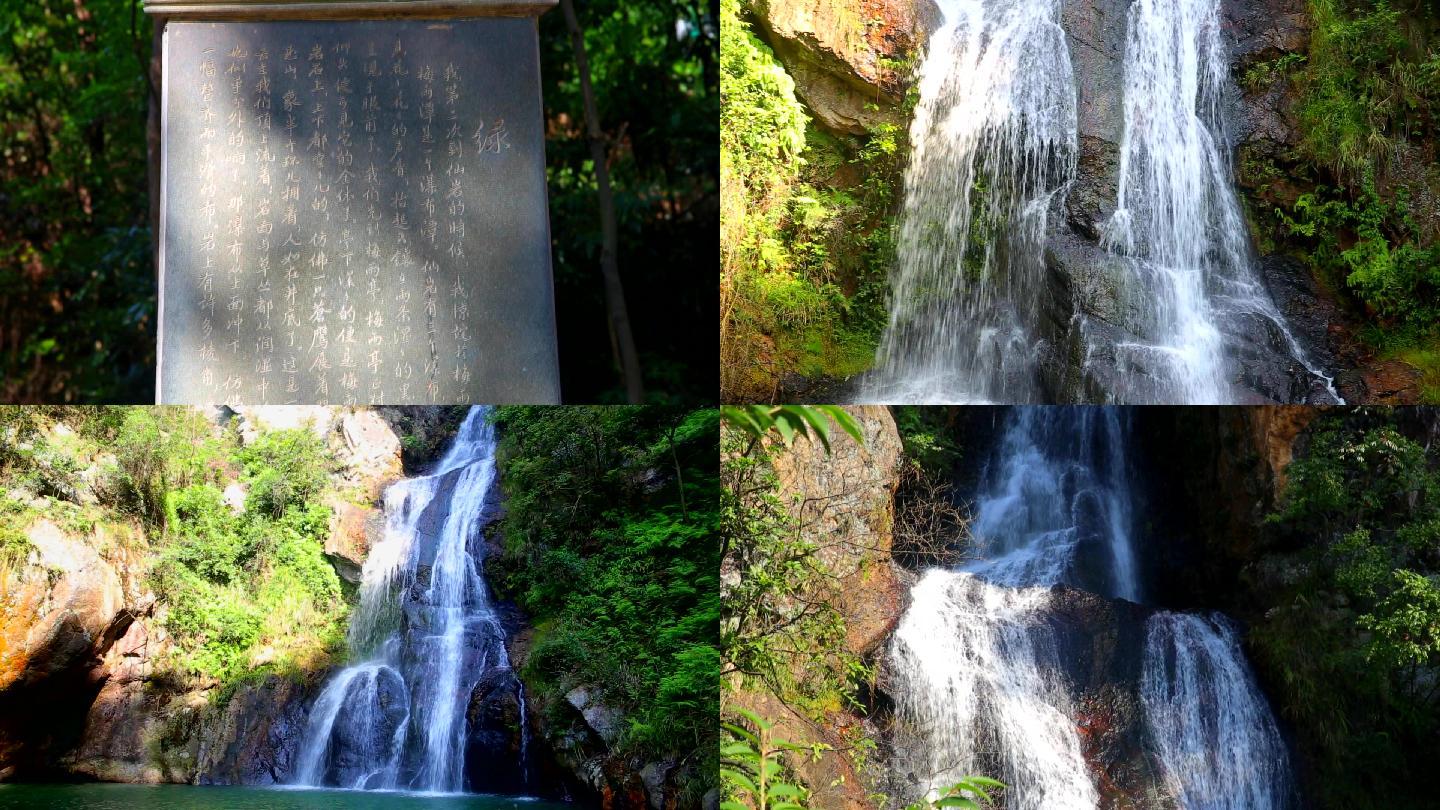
620,334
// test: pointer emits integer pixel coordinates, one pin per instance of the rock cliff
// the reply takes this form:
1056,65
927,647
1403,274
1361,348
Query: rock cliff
82,693
843,503
848,57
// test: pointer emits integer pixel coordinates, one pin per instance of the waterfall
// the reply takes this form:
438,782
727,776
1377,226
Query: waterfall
424,634
979,662
1059,486
975,676
1178,219
994,141
1217,743
995,146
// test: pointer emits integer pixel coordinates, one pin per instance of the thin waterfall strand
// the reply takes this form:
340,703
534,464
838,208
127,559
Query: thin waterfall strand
1178,219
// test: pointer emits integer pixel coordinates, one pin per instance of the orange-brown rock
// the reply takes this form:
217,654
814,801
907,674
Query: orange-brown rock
57,612
843,503
846,55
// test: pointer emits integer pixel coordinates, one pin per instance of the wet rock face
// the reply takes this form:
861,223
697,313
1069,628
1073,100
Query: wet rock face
358,734
497,737
255,739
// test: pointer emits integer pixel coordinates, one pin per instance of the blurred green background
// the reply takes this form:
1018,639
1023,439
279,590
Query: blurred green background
77,285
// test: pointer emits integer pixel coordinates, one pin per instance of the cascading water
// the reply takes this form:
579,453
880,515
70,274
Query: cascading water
994,140
425,633
994,150
1177,217
1218,745
979,659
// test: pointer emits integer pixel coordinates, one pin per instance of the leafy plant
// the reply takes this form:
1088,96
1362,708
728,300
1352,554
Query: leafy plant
751,768
1352,640
972,793
791,421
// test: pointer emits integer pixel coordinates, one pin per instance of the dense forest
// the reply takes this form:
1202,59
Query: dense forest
77,280
211,561
1314,531
1332,129
609,545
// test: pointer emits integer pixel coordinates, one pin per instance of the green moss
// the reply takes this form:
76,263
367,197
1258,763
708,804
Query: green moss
1426,358
807,241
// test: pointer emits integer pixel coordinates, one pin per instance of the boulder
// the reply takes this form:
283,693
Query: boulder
845,502
607,721
354,530
54,620
496,721
370,451
845,55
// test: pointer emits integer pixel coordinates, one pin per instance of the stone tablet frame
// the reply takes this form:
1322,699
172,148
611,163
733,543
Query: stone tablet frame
536,380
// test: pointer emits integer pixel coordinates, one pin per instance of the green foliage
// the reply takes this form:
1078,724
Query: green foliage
1367,112
1353,642
14,544
609,544
242,594
779,627
751,768
790,421
971,793
925,433
77,293
656,81
284,468
807,240
1374,246
761,122
251,592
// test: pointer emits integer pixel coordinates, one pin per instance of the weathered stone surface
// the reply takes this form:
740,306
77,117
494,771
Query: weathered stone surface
371,451
1096,31
607,721
497,735
354,530
844,54
846,506
255,739
55,618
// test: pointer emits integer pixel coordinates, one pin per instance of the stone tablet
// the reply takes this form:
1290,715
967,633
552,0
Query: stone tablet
354,212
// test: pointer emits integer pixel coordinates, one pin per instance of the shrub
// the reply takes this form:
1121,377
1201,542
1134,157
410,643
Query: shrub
284,468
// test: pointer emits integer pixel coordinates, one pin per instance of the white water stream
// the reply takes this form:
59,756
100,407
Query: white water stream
977,660
995,144
994,140
424,633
